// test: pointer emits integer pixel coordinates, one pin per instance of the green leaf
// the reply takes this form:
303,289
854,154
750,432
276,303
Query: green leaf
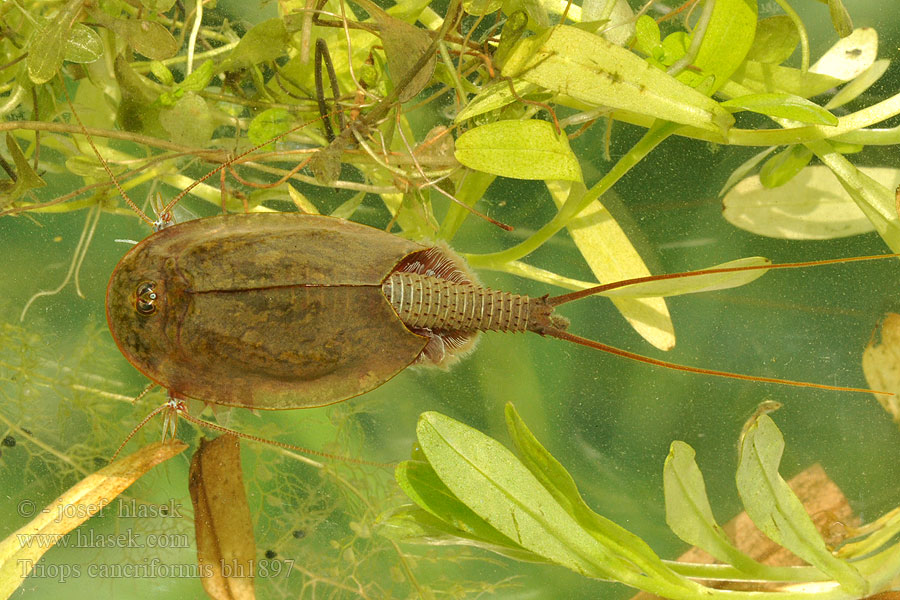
612,257
83,45
268,124
697,282
727,39
195,82
529,149
785,165
146,37
494,95
840,18
761,77
776,39
557,480
26,177
688,512
264,42
189,121
346,209
874,199
481,7
775,509
495,485
786,106
46,48
162,73
421,484
589,69
646,35
158,5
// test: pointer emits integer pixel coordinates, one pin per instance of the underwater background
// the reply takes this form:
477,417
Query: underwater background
609,421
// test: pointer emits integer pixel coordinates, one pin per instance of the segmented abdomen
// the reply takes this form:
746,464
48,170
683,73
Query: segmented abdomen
423,301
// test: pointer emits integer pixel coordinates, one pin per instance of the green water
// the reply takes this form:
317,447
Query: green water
610,422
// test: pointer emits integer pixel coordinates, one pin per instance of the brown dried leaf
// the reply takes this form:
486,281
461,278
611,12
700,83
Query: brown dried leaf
226,550
77,505
881,364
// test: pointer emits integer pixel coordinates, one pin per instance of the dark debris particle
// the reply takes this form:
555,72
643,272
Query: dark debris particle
299,534
270,554
9,441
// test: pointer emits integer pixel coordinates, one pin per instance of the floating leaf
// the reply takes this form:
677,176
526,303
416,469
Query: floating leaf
776,38
80,502
881,364
589,69
529,149
777,511
226,550
83,45
699,281
784,166
850,56
612,257
786,106
811,206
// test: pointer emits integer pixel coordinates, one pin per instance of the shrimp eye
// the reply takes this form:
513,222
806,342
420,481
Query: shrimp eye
145,299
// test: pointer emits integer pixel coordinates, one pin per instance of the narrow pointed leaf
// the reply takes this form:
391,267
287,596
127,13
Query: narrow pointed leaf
496,486
75,506
775,509
612,257
696,283
784,166
785,106
688,512
557,480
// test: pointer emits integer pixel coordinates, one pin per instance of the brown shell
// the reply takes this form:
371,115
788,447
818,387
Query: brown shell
264,310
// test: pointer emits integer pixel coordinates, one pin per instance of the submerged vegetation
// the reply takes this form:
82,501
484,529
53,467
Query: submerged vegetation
416,118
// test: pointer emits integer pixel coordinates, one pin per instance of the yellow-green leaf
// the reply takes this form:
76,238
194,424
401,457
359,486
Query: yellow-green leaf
529,149
785,106
75,506
590,69
811,206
